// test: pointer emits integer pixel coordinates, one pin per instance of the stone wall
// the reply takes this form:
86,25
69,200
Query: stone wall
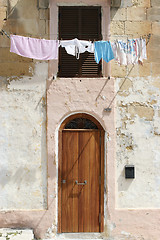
23,159
137,106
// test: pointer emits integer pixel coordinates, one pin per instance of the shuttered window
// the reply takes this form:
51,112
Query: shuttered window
83,23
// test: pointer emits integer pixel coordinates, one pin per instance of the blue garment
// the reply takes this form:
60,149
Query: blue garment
103,50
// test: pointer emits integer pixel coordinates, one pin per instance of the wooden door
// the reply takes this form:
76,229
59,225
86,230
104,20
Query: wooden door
80,181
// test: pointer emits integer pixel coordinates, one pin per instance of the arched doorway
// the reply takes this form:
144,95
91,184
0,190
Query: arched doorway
81,175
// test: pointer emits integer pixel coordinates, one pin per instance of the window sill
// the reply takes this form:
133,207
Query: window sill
81,78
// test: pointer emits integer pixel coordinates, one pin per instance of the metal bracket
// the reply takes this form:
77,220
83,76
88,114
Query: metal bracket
108,109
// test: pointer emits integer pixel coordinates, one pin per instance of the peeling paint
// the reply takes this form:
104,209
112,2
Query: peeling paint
22,137
138,132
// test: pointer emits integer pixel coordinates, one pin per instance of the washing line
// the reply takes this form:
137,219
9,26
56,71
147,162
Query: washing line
126,77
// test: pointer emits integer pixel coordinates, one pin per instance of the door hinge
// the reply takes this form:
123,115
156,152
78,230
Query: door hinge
99,217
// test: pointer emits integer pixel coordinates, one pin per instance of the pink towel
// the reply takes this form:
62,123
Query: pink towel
34,48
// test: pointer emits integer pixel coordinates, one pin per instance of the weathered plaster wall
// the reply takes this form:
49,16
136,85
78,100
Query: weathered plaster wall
23,158
23,142
138,142
137,107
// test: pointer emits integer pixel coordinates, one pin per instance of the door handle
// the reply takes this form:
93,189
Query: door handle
63,181
84,183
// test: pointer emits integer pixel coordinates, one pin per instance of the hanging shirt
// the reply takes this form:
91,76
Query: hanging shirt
75,47
40,49
132,53
143,51
103,50
128,52
119,49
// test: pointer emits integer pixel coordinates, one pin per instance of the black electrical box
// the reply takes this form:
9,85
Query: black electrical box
129,171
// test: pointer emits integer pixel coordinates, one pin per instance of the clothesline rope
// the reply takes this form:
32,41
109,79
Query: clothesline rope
126,37
2,32
130,52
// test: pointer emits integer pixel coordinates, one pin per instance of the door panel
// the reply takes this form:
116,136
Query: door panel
69,173
83,171
80,162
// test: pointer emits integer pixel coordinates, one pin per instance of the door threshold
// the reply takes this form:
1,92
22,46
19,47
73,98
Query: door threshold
81,235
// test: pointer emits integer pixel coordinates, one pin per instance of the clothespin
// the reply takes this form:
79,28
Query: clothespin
149,36
3,32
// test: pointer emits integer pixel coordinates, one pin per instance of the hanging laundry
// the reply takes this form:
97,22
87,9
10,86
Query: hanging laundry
132,51
143,50
119,50
103,50
75,47
39,49
125,52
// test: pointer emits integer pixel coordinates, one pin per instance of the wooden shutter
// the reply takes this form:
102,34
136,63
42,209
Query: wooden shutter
83,23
